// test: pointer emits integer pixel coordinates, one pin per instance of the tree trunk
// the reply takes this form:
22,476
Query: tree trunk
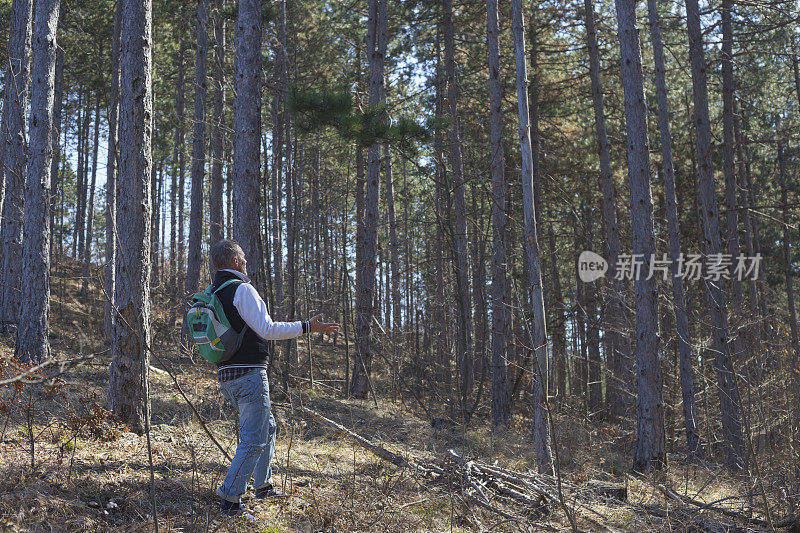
394,245
594,364
87,250
439,315
217,140
156,178
58,100
729,169
82,184
479,289
541,432
199,151
460,249
16,96
619,362
111,180
559,319
279,157
128,387
290,351
366,264
178,156
678,301
247,135
649,448
749,230
32,341
794,353
730,404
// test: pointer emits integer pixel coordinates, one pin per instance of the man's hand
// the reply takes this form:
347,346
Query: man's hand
316,325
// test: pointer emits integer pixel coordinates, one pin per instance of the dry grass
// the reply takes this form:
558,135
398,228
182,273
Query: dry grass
91,474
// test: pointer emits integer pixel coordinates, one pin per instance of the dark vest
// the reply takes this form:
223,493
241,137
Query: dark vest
254,351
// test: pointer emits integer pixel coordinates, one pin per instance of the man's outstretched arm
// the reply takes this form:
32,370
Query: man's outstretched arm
253,311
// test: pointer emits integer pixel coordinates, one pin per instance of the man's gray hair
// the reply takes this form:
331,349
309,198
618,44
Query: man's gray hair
223,252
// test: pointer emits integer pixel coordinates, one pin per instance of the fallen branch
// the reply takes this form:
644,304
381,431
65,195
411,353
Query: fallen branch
701,506
383,453
63,366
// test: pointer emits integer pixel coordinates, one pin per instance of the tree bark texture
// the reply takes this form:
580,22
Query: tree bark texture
678,301
16,97
541,432
247,135
32,334
199,150
730,403
128,388
649,449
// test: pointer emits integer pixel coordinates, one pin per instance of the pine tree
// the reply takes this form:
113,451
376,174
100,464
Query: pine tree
678,300
730,403
128,386
32,338
649,449
247,135
541,429
16,98
500,399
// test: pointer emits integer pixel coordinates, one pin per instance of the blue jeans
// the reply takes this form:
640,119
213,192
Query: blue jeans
250,393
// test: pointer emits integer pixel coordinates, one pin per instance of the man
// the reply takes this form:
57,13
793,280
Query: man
243,377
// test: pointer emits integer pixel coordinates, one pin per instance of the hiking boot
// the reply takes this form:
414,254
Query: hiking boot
267,492
229,508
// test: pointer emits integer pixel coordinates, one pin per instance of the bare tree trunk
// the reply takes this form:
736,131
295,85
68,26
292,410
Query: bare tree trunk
280,158
581,319
366,264
199,150
32,341
594,364
479,290
87,250
217,138
620,366
81,187
156,178
749,230
649,448
16,97
111,180
178,156
730,404
678,300
794,357
394,245
173,217
559,327
128,387
460,248
58,100
247,131
439,314
541,432
290,352
729,169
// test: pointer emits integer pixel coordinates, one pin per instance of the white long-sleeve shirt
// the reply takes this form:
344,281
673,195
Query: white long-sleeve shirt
253,311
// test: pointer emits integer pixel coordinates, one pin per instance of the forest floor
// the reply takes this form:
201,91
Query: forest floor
66,465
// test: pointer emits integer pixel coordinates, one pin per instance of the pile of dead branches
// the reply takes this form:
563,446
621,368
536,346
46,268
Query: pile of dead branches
529,497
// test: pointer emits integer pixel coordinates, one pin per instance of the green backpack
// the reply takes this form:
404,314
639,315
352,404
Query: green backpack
210,329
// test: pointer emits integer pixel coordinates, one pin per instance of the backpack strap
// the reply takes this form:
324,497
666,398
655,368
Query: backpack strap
226,284
230,281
